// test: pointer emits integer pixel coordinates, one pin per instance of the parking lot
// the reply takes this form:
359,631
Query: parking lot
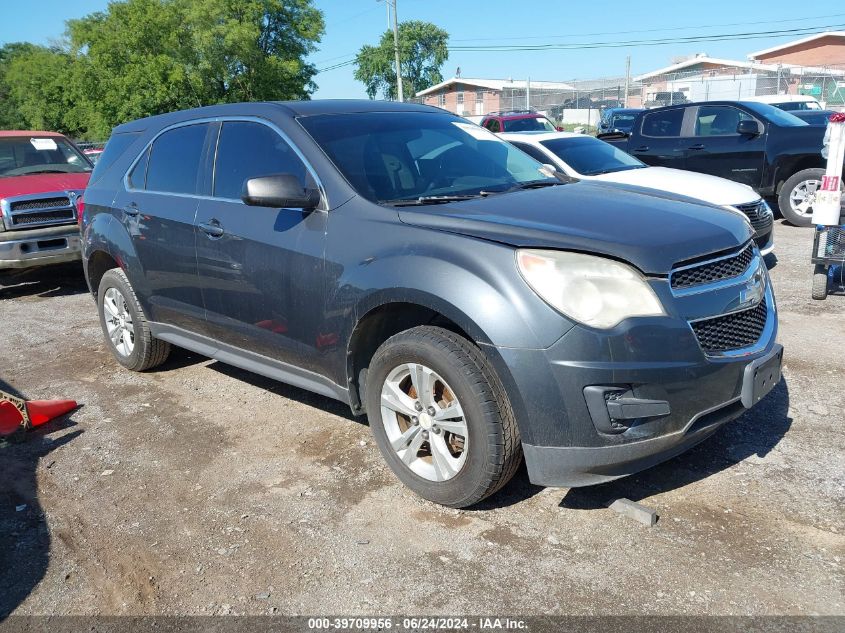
203,489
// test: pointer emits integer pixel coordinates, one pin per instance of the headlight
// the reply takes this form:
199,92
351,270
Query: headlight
595,291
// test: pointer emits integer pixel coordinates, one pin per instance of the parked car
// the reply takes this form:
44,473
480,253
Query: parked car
586,157
413,265
756,144
789,103
516,121
659,99
617,120
41,177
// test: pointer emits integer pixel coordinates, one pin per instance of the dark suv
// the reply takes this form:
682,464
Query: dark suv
413,265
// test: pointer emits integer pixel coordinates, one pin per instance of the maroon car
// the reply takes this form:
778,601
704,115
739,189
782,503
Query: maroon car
518,121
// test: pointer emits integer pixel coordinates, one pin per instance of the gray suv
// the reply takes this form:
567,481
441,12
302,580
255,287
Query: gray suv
436,279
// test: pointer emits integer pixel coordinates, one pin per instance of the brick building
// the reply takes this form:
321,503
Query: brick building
821,49
465,96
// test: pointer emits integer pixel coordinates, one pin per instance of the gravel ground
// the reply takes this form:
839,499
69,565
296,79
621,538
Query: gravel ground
203,489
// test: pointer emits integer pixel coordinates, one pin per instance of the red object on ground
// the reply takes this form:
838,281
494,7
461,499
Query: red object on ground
38,412
42,411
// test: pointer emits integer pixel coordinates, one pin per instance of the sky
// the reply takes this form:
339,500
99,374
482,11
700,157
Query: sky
353,23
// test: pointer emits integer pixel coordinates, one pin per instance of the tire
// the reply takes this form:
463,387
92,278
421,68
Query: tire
805,182
136,348
820,283
491,448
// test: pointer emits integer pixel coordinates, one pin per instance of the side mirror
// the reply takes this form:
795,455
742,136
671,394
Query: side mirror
280,191
748,127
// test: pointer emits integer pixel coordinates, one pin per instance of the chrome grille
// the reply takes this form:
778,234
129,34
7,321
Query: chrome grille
758,214
731,331
46,203
713,271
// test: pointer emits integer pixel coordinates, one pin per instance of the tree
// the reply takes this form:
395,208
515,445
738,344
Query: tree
422,52
10,115
143,57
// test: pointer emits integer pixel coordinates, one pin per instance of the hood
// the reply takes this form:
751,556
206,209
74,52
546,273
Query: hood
650,229
712,189
41,183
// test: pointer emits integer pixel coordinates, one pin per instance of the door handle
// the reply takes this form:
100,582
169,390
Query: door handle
699,146
131,209
212,229
642,148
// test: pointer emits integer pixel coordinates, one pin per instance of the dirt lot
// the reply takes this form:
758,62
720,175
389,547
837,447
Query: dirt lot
201,489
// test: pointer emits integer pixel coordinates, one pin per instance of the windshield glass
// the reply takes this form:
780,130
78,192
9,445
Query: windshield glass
773,114
392,156
590,156
622,122
22,155
529,124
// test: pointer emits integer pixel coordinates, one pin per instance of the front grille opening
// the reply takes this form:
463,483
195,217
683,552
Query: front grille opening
60,215
714,271
759,216
45,203
46,245
733,331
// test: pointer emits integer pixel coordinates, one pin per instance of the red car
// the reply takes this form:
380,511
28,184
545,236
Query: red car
518,121
42,176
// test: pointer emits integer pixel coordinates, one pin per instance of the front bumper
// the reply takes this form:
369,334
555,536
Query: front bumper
39,247
656,364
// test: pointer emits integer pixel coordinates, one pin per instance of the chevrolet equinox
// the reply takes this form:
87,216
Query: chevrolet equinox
435,278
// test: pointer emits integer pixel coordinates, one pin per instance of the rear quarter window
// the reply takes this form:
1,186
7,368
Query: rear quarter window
115,148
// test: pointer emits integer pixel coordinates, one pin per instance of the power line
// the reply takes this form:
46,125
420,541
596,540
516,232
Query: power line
676,28
683,40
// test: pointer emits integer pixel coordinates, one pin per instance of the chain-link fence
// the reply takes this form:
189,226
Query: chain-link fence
582,103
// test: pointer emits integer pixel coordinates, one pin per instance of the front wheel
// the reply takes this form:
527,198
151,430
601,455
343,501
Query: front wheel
440,417
820,282
798,195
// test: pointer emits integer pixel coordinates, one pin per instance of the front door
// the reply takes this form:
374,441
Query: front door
715,148
659,140
158,208
261,269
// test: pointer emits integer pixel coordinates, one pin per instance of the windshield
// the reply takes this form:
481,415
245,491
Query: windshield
590,156
529,124
624,122
394,156
773,114
791,106
22,155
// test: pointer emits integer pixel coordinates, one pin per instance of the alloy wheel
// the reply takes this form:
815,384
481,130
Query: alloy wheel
803,197
424,422
119,325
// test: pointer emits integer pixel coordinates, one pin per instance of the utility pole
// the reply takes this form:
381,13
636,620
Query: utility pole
396,53
627,77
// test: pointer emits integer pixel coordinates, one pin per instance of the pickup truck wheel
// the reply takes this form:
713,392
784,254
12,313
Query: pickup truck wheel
125,326
798,195
440,417
820,282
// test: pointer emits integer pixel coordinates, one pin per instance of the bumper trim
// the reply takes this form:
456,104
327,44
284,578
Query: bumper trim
575,466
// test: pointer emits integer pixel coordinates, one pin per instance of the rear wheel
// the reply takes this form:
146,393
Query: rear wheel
798,195
820,282
440,417
125,325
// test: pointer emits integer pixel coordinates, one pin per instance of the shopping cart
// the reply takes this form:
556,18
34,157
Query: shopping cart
828,256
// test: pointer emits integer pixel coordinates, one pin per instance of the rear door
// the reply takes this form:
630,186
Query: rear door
261,269
158,207
659,140
714,147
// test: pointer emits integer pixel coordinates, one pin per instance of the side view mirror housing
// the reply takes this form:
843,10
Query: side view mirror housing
280,191
747,127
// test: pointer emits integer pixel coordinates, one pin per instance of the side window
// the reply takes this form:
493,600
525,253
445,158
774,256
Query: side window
247,150
493,125
718,120
116,146
175,159
534,153
138,175
663,123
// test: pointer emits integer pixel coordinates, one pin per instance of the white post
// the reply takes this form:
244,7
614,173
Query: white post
826,209
627,78
528,94
396,52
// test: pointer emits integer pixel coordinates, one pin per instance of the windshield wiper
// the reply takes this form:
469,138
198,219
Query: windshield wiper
423,200
537,184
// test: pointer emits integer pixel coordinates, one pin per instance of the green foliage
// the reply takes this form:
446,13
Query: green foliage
145,57
10,115
422,51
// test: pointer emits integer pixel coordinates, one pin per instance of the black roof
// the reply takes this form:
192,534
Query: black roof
259,108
